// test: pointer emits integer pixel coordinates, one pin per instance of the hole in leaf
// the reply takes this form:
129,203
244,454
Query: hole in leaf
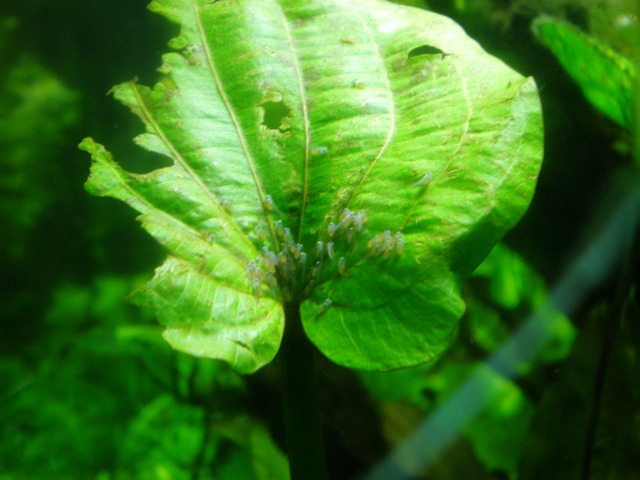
425,50
274,113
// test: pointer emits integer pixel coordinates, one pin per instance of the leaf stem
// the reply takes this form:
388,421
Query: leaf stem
300,400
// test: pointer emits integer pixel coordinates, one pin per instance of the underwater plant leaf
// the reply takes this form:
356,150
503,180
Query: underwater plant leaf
166,440
357,158
514,286
36,109
605,76
498,432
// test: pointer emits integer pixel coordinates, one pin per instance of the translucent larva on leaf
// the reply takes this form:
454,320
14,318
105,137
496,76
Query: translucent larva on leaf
386,243
267,265
315,270
261,234
319,251
331,229
286,235
345,214
359,220
424,181
399,243
309,288
324,306
257,288
374,246
256,276
269,260
346,219
268,203
302,263
342,266
253,271
319,150
279,228
330,252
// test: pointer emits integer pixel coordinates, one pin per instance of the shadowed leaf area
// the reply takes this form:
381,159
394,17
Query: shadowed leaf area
356,158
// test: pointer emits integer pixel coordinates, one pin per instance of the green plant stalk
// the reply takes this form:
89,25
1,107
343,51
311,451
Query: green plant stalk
301,405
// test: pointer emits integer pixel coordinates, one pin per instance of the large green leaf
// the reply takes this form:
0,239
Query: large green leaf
356,157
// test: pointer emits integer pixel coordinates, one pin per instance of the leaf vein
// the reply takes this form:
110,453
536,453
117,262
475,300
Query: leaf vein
179,158
236,123
392,124
307,126
450,159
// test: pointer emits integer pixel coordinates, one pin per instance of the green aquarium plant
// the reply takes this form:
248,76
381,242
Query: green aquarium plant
36,110
336,170
606,77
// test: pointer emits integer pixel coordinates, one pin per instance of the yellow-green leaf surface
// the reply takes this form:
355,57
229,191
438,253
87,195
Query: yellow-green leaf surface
356,157
605,76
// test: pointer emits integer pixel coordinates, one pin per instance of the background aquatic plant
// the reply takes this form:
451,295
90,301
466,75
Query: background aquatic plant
33,103
607,78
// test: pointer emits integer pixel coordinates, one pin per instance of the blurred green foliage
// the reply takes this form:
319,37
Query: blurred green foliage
503,290
103,397
606,77
35,110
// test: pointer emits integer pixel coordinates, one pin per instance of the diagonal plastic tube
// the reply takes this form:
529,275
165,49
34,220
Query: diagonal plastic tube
594,265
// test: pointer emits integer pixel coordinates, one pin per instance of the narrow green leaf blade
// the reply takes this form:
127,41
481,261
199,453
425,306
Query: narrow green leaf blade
605,76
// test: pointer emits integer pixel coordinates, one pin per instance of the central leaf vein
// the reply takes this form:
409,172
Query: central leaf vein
306,120
392,125
236,123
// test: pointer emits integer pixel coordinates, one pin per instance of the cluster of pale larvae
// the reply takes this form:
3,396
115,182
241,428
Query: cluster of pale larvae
296,272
